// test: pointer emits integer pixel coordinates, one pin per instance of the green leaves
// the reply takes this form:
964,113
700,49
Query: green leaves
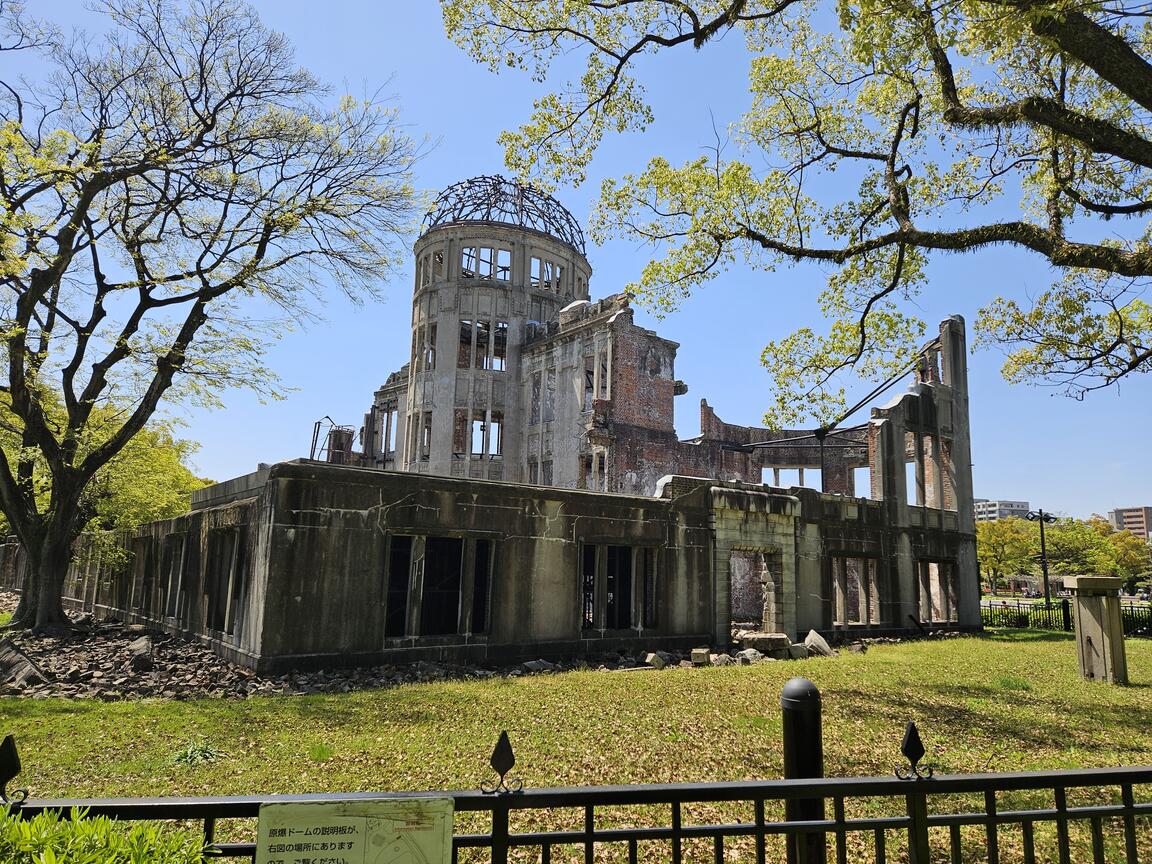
83,839
952,127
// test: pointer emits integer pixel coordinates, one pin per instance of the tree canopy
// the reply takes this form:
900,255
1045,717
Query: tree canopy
1075,547
881,134
167,187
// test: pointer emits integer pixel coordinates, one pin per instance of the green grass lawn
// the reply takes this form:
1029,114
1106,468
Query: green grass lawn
1000,702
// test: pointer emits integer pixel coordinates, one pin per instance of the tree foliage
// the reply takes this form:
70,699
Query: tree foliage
881,134
1004,548
166,187
1011,547
148,479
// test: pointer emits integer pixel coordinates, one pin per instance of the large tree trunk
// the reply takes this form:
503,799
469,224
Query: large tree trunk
51,570
46,561
47,555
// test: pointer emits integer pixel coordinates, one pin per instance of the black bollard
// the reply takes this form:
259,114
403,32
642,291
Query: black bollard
803,757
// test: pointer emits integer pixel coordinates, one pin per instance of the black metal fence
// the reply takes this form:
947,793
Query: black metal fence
987,817
1136,617
1098,815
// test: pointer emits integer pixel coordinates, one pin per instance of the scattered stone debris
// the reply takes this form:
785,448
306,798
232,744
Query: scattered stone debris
817,644
110,660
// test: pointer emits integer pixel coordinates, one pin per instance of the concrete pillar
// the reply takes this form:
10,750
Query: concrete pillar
1099,630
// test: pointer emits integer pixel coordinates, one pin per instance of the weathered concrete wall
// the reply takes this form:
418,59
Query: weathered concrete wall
339,522
201,575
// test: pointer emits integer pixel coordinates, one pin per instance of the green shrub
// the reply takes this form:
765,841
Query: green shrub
49,839
197,753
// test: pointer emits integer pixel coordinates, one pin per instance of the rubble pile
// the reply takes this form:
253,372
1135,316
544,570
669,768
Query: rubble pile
111,660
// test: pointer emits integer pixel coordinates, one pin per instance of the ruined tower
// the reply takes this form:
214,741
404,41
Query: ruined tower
496,260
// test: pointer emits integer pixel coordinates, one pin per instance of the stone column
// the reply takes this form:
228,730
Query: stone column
1099,630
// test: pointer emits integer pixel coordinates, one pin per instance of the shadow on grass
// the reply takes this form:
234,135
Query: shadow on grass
1023,635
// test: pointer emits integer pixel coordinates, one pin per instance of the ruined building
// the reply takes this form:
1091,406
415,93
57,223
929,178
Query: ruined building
521,491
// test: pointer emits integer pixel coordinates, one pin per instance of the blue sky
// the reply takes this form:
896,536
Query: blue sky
1028,442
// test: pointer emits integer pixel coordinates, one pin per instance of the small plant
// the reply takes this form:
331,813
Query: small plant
50,838
197,752
320,752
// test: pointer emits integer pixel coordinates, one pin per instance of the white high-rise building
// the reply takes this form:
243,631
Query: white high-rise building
990,511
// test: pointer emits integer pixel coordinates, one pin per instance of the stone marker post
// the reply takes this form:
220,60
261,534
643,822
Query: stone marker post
1099,630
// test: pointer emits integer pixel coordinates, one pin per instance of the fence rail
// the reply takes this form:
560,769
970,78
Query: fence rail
906,834
1136,617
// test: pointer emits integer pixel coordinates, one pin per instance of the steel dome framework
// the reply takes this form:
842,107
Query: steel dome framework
497,199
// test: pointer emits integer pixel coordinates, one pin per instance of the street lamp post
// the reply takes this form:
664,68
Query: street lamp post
1042,517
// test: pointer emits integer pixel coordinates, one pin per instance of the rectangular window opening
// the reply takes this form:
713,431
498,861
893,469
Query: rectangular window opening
588,587
496,434
469,262
430,347
464,357
481,578
390,429
546,472
503,264
396,600
426,437
483,361
859,595
618,588
477,448
440,599
487,268
500,347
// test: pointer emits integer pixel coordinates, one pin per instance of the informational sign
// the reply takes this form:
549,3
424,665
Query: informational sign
393,831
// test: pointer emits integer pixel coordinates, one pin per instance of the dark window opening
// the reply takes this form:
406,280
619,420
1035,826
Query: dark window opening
546,472
224,578
618,588
648,575
144,581
440,602
480,581
426,437
464,356
399,568
429,347
588,583
172,569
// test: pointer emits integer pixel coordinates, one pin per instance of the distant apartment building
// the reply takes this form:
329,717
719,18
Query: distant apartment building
1137,520
990,511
